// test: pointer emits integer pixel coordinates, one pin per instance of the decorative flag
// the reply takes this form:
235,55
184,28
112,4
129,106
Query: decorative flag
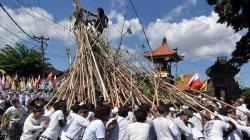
32,82
2,71
50,77
4,83
29,86
38,82
204,86
195,82
55,78
22,85
16,82
182,78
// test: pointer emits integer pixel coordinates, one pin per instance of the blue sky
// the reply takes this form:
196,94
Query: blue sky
189,25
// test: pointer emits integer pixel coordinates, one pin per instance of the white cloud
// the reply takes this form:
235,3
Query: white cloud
180,9
118,3
116,22
34,24
197,37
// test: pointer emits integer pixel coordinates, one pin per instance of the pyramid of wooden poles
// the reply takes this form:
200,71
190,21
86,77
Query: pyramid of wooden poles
97,75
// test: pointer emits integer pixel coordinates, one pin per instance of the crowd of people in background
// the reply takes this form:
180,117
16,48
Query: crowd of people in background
26,116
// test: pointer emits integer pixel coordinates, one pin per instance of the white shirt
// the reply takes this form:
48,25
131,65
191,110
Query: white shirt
21,98
95,130
196,121
152,135
137,131
240,127
182,128
213,130
16,114
32,127
54,128
90,115
118,133
243,116
130,116
49,112
76,127
70,119
235,135
2,104
164,128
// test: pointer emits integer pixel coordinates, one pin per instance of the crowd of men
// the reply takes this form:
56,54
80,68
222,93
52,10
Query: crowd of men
27,116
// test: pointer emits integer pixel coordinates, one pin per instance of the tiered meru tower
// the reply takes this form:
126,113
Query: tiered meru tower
163,57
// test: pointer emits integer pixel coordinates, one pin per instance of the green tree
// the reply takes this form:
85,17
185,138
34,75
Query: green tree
236,13
21,60
246,92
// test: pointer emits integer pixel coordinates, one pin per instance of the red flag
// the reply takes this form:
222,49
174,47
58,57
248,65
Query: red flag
38,82
195,82
50,77
16,82
4,82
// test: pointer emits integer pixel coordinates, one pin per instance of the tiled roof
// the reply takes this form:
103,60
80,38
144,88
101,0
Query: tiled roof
183,85
163,50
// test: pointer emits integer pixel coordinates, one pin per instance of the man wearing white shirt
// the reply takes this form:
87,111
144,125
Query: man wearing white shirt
96,129
149,120
57,121
33,124
138,130
118,133
72,114
16,116
181,121
21,99
213,129
78,124
2,102
164,128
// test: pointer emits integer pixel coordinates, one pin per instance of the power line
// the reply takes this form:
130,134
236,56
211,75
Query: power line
16,23
56,55
29,6
18,36
39,4
71,39
143,29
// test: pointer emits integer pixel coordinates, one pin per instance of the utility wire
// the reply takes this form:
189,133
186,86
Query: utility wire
18,36
61,27
17,23
29,6
40,6
144,32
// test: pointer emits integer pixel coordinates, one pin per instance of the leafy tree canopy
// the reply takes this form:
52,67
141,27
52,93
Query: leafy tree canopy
21,60
236,13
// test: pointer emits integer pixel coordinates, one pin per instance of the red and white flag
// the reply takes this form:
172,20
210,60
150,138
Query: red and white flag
50,77
3,82
195,82
55,78
16,83
38,82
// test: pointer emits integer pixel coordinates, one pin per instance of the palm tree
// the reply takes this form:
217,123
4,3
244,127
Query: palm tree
21,60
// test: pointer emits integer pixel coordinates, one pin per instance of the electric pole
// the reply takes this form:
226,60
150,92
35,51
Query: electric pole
44,45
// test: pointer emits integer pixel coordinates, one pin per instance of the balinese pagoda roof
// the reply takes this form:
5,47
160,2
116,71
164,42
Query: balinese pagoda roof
164,51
